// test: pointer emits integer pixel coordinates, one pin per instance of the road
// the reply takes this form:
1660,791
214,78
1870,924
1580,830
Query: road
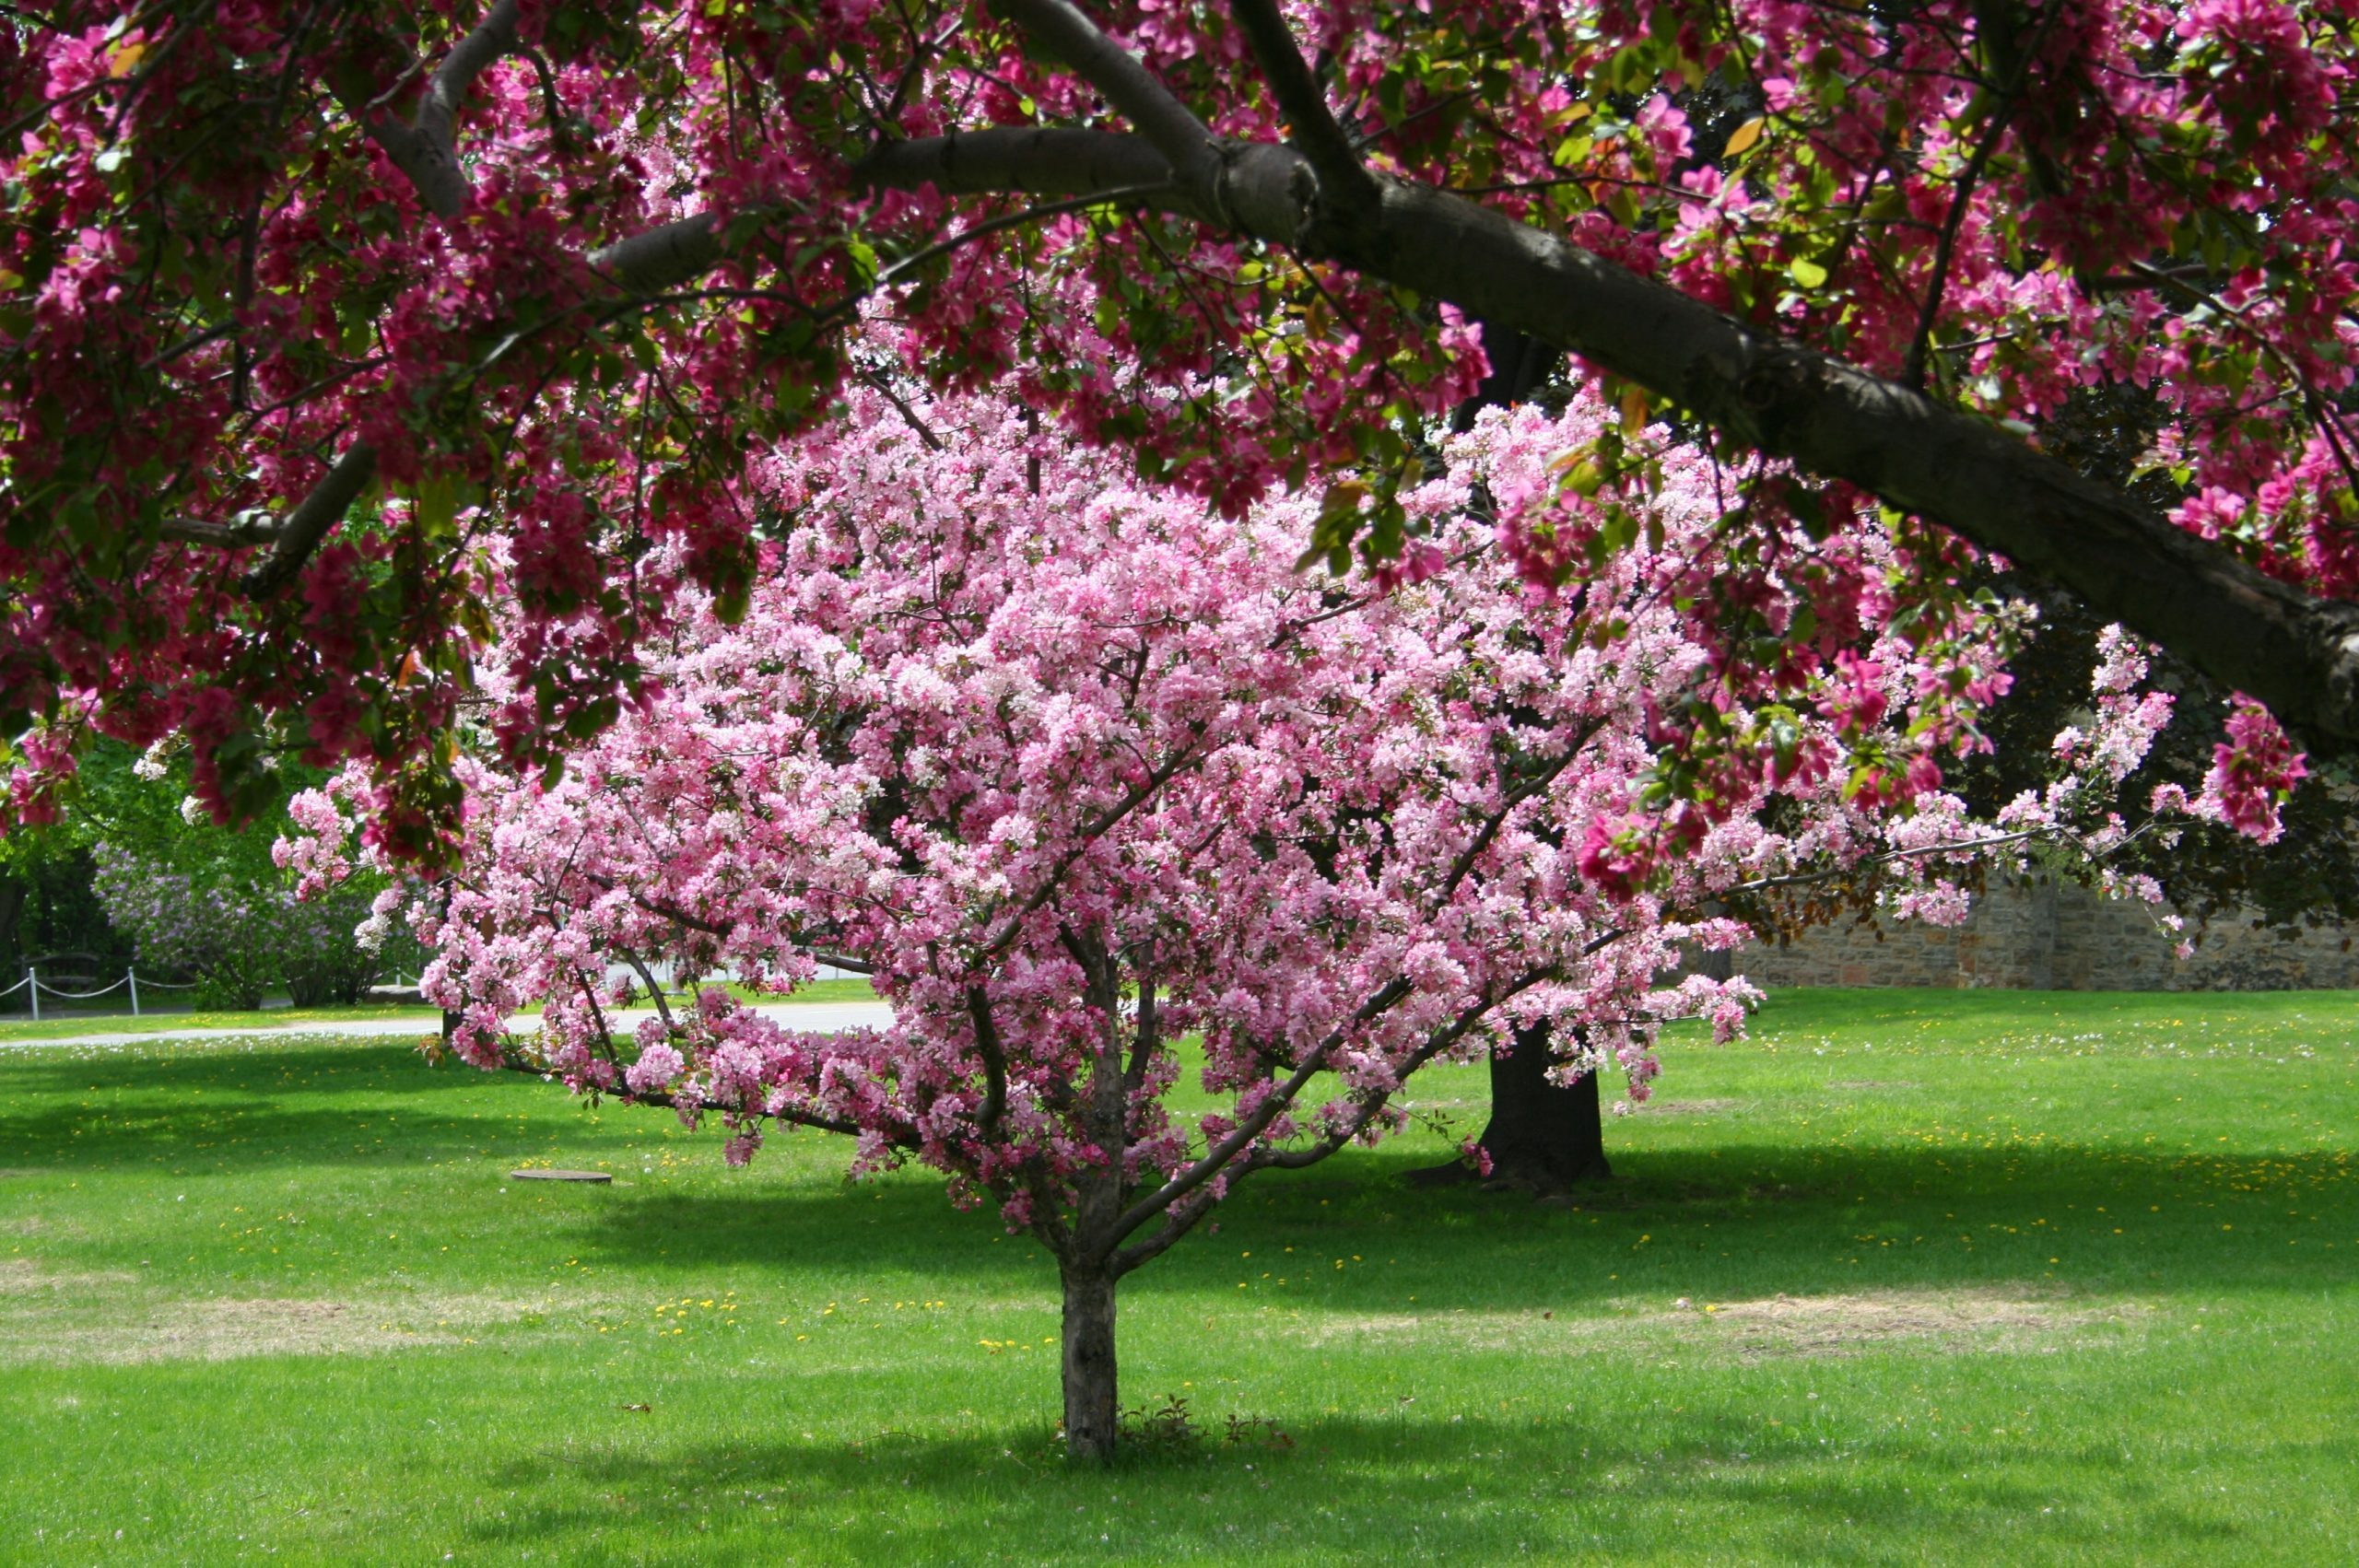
816,1017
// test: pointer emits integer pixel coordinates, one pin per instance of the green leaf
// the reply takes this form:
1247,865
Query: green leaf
439,498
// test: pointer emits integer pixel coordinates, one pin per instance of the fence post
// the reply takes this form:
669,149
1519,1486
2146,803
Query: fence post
32,989
133,975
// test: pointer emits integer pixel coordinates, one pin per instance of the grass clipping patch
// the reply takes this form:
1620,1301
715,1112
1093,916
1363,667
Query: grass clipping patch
1842,1325
1992,1318
92,1320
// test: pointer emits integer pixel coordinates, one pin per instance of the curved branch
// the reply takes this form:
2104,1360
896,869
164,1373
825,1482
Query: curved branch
2296,653
427,149
293,541
1322,141
987,1046
1062,29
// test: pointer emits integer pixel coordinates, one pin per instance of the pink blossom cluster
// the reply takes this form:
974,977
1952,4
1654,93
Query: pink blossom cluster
1080,773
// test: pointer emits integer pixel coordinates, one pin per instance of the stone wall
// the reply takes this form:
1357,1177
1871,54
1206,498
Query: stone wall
2045,936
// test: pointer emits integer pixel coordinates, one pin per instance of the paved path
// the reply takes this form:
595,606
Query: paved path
818,1017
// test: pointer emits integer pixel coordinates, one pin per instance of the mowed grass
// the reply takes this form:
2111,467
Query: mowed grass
1979,1277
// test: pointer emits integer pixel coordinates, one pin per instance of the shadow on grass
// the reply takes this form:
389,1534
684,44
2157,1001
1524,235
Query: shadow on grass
1734,1219
269,1106
2044,1220
1470,1489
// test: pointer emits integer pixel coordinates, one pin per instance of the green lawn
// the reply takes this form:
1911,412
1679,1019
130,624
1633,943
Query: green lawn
1973,1277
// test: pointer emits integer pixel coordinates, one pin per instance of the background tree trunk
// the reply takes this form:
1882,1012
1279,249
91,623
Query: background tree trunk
1092,1415
1546,1134
1542,1136
12,905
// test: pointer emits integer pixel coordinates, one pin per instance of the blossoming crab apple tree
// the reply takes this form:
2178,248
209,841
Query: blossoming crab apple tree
303,309
1083,775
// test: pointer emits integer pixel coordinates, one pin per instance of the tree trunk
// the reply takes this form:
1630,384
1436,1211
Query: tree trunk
1091,1413
1542,1133
12,905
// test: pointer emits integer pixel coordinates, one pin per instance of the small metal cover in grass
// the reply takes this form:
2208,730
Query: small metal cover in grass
560,1176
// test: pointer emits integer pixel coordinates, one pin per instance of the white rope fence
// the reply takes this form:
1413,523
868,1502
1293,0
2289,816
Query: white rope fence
33,984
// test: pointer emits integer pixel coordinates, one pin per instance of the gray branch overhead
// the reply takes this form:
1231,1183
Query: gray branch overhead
425,149
2298,654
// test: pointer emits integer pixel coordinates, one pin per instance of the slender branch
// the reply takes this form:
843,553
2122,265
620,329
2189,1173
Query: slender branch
924,432
788,1114
1119,195
1138,793
1373,1101
1912,369
1955,846
988,1046
1060,29
1216,1159
597,1013
293,541
681,918
1489,831
552,108
663,1008
1183,1219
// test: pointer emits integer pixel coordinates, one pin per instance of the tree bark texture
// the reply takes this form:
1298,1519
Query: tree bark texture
1542,1133
1092,1413
1542,1136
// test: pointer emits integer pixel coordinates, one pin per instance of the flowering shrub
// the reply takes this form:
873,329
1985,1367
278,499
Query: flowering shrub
211,904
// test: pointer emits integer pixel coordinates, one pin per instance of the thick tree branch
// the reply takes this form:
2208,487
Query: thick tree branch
1061,28
493,38
988,1046
1035,161
248,530
2298,654
427,149
1343,178
663,257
